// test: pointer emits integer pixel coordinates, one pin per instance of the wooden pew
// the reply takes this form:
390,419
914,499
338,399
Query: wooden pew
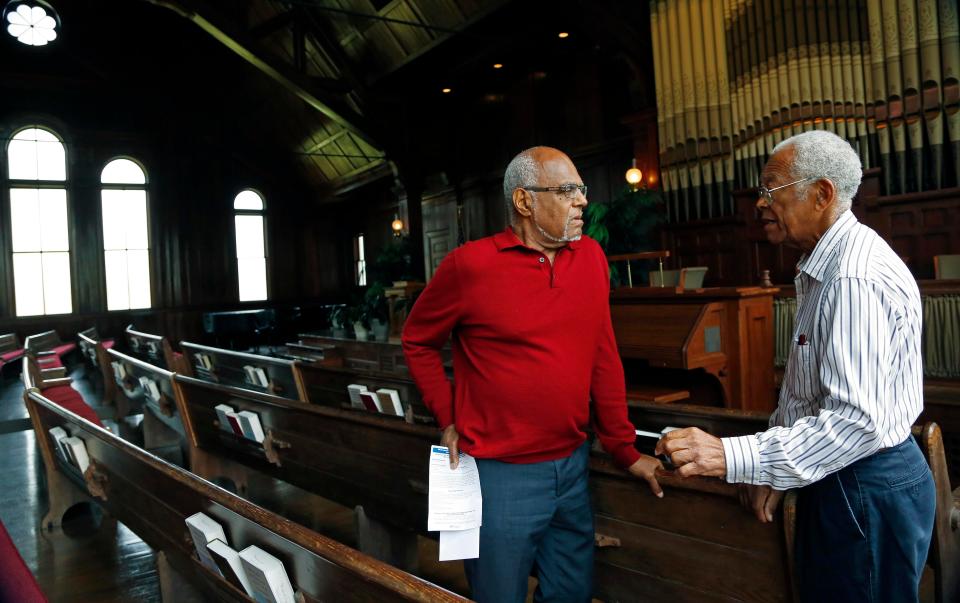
373,356
49,344
153,498
327,386
95,349
945,547
234,368
163,431
10,349
363,459
154,349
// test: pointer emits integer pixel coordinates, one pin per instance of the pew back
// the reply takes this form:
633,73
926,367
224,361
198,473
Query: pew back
42,342
154,498
155,349
353,458
327,386
9,342
250,371
136,388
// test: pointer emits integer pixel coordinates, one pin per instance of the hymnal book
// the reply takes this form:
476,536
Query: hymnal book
228,560
250,423
390,400
267,576
354,390
254,375
119,372
203,361
235,424
150,389
370,401
77,451
58,434
222,415
204,530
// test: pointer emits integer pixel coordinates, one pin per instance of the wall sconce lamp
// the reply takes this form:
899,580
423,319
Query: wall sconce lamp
397,226
634,175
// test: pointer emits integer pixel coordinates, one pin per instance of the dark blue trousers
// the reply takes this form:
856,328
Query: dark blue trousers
863,533
536,518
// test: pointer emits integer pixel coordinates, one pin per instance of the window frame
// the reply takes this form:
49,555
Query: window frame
8,302
145,187
262,213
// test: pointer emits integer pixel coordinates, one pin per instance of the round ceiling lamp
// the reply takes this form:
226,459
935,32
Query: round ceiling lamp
397,226
31,22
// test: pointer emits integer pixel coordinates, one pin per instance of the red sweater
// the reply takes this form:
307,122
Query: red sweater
532,346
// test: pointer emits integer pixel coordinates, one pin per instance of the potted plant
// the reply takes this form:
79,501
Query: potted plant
338,320
375,306
358,317
624,224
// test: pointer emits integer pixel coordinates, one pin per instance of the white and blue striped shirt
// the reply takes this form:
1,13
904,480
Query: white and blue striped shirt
854,380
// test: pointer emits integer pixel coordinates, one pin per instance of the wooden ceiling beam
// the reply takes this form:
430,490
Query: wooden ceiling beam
294,83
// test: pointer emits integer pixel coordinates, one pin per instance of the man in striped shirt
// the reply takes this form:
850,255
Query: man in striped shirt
852,389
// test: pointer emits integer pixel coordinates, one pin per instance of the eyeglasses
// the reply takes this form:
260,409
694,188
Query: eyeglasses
767,193
568,191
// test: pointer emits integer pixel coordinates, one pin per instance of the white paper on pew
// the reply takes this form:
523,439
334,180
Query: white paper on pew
454,500
459,544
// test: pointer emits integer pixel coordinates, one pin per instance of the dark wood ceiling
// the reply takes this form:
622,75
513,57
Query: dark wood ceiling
349,91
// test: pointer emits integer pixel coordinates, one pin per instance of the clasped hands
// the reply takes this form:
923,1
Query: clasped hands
696,452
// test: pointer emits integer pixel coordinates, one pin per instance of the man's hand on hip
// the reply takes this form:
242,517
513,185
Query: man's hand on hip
761,500
646,468
451,439
694,452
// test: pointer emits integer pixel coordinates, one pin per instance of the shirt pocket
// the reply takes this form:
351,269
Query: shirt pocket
803,378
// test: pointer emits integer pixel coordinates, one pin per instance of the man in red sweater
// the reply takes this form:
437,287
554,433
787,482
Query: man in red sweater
529,312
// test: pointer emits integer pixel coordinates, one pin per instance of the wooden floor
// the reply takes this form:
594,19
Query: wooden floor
93,559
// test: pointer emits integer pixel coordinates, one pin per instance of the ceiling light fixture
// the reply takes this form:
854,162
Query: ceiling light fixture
563,35
498,65
447,90
31,22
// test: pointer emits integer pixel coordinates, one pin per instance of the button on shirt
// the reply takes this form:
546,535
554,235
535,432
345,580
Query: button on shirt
854,379
533,345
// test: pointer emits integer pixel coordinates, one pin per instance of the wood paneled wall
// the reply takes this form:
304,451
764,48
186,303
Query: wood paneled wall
917,226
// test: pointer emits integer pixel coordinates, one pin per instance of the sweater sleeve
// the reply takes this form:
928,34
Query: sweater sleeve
425,332
608,391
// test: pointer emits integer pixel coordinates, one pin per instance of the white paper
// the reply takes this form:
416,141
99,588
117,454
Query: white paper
459,544
455,502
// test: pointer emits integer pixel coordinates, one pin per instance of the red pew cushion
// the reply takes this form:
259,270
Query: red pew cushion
65,349
107,343
69,398
16,581
11,355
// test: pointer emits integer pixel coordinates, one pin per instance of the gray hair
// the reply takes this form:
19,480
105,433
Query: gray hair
823,154
523,171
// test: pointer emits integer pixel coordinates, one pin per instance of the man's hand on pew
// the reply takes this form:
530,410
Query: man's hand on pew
646,468
451,439
694,452
762,500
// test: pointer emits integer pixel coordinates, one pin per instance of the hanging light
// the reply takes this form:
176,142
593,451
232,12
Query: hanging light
634,175
397,226
31,22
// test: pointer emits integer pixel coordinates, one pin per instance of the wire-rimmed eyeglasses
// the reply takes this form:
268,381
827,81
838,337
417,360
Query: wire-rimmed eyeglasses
766,194
567,190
